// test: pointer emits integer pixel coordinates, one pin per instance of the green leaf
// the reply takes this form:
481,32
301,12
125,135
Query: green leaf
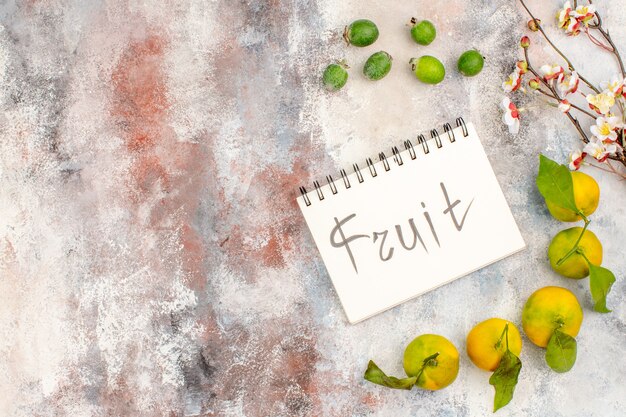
375,375
561,351
600,281
504,379
555,184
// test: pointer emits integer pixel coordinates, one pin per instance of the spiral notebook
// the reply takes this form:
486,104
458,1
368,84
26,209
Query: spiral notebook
413,219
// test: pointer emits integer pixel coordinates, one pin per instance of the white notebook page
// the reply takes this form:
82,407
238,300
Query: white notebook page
461,218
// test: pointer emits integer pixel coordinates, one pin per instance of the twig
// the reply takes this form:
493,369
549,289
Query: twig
611,171
583,111
598,167
619,157
596,42
545,93
615,50
614,170
555,94
558,51
606,35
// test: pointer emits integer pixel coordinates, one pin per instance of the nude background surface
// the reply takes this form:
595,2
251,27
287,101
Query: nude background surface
153,261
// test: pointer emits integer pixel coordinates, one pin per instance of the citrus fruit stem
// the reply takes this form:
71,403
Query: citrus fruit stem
505,333
575,247
429,361
559,321
585,258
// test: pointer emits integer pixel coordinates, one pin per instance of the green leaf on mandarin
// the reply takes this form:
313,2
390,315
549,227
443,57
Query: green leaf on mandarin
374,374
504,379
555,184
600,281
561,352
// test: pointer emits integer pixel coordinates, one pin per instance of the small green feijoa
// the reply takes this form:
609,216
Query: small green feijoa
423,32
470,63
361,32
428,69
335,76
377,66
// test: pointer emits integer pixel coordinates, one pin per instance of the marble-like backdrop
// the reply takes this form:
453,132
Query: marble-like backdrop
153,261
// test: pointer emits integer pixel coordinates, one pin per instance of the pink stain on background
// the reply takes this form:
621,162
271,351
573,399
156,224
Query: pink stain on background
164,167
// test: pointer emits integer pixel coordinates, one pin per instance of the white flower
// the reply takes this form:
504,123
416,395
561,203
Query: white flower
510,116
565,106
570,19
568,83
563,15
599,150
583,13
550,72
605,128
602,102
616,85
576,159
573,28
513,82
567,22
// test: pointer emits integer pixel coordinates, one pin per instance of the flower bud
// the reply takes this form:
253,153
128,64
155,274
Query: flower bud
522,67
533,24
524,42
565,106
534,83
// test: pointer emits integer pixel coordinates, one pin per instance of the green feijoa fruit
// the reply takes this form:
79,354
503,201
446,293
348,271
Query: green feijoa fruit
423,32
377,66
428,69
361,32
470,63
335,76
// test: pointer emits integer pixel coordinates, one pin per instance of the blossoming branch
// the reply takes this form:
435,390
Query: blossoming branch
564,87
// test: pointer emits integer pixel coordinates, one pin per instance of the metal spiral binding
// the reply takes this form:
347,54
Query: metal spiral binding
421,140
320,194
461,123
397,157
357,171
383,159
331,184
346,181
448,129
435,135
305,197
409,147
370,165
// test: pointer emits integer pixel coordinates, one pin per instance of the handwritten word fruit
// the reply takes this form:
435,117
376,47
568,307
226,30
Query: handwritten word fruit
423,32
430,361
377,66
387,243
551,319
428,69
335,76
495,345
586,198
470,63
361,32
